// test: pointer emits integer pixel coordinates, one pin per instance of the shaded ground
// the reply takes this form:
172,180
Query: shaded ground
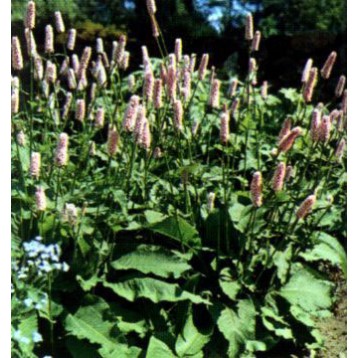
334,329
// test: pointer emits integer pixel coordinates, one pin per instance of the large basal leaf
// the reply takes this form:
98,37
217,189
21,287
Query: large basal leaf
89,323
80,348
177,229
152,259
329,249
153,289
273,320
190,341
238,327
307,291
27,327
158,349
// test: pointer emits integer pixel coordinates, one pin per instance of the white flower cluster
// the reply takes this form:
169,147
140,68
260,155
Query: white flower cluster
45,258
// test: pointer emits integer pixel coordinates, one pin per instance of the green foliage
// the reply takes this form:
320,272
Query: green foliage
161,244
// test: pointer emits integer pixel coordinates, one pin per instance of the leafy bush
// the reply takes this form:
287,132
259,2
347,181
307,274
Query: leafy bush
173,226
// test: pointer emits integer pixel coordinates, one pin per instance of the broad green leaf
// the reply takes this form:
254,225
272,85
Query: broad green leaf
307,291
190,341
177,229
229,284
153,289
158,349
87,285
275,323
238,327
27,327
153,216
89,323
327,248
282,260
81,348
120,351
152,259
240,216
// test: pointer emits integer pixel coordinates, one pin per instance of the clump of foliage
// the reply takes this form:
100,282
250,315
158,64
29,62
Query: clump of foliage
151,212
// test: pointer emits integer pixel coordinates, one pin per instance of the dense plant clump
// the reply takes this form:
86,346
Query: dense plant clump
166,212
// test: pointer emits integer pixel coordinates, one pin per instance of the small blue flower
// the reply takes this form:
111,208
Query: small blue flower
28,302
36,337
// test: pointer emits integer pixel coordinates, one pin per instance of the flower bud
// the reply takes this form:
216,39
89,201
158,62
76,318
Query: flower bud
21,139
151,7
49,47
187,85
264,90
50,72
306,207
214,99
17,60
171,83
288,140
232,88
148,86
145,136
158,93
178,115
279,177
30,43
192,62
67,105
286,128
310,85
178,49
61,155
224,127
60,26
71,39
315,125
131,114
256,189
307,70
99,122
249,27
40,199
325,129
113,139
80,110
99,45
70,214
340,86
35,164
327,67
203,66
256,41
30,17
210,201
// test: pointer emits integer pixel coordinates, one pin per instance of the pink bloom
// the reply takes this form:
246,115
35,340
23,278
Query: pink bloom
61,155
40,199
328,65
113,139
279,177
249,27
224,127
306,207
288,140
131,113
17,60
214,99
256,189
